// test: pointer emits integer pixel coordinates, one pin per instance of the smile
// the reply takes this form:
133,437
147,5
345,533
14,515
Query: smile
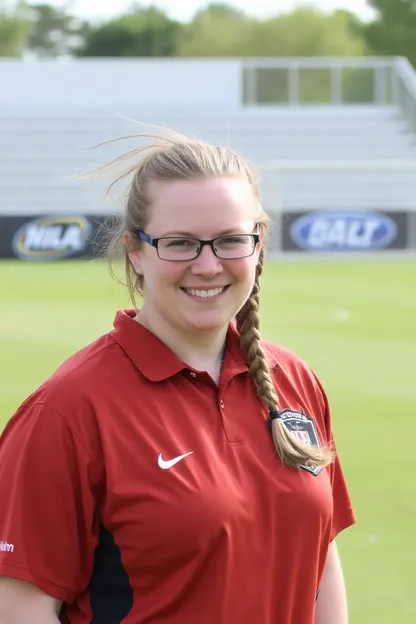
205,293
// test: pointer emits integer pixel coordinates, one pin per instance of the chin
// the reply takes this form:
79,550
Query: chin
215,322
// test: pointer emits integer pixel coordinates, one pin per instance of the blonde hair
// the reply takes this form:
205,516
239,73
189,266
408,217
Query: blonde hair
180,158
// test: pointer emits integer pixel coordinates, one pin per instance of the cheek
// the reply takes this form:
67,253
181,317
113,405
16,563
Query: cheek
244,270
164,273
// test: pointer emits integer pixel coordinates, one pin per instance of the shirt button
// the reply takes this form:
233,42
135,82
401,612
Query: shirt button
222,404
193,374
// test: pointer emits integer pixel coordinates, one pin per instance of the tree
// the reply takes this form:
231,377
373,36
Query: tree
355,25
142,32
304,32
54,31
14,28
222,31
394,31
216,31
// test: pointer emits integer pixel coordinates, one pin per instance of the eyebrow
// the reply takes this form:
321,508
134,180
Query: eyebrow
190,235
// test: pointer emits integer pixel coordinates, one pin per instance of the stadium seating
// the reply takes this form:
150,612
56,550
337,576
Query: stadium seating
40,151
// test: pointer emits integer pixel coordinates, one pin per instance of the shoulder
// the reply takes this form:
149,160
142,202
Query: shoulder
296,382
285,360
72,397
80,373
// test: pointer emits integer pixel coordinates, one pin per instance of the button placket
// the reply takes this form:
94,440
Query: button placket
232,432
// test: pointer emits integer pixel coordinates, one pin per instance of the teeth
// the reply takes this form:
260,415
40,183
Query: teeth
204,293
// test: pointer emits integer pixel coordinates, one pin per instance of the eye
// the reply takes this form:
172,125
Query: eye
233,240
180,242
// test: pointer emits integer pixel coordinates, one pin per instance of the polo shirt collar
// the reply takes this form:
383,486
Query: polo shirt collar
154,359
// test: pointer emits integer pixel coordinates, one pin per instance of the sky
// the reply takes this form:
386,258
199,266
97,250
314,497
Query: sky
183,10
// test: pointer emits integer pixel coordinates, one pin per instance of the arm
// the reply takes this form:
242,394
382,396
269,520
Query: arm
49,483
23,603
331,605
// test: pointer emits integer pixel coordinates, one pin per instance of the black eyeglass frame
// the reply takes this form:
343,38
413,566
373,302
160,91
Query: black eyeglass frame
154,242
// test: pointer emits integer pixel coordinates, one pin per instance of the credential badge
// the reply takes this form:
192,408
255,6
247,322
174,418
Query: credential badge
303,428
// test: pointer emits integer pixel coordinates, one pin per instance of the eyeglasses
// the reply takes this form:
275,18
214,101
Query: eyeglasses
182,249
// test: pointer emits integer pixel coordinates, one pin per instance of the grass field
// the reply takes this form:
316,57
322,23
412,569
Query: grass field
354,322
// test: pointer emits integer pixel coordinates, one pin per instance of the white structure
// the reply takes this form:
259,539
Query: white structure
311,156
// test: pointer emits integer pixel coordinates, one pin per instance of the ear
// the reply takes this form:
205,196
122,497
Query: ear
134,253
261,241
135,259
260,244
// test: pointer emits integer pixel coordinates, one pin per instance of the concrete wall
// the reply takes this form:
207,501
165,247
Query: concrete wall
108,82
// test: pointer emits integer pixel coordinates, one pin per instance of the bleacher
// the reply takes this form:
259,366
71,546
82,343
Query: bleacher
39,152
332,155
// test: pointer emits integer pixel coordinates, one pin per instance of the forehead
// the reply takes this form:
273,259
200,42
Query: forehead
201,206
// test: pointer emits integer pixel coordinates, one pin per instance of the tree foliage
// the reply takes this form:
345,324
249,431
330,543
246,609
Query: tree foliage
222,31
304,32
14,28
143,32
393,32
54,31
218,30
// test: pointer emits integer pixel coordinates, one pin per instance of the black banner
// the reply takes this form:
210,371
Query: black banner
344,231
56,237
43,238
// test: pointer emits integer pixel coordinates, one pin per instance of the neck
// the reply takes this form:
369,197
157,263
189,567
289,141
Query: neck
201,350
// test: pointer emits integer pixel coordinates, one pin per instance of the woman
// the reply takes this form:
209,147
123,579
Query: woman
179,469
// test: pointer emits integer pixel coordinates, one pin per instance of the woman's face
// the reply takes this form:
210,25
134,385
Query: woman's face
205,293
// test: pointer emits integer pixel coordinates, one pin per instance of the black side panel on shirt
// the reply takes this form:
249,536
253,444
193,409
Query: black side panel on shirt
111,595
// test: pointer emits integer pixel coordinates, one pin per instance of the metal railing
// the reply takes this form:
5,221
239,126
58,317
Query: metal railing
336,81
404,90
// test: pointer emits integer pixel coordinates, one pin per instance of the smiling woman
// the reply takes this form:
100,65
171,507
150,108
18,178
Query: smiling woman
195,266
179,468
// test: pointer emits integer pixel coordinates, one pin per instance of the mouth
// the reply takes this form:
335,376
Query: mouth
206,293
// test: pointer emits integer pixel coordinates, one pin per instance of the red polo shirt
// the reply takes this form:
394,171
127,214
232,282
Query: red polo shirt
137,491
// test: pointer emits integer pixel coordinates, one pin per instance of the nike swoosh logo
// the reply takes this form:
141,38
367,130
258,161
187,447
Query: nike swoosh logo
165,465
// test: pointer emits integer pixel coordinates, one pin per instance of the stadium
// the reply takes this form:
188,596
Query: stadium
337,168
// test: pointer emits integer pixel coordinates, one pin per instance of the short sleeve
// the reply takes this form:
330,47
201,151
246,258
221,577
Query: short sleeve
47,492
343,515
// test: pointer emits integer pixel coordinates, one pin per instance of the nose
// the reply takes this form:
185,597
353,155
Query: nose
207,263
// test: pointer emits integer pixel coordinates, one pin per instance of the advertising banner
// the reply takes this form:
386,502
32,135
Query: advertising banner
344,231
45,238
48,237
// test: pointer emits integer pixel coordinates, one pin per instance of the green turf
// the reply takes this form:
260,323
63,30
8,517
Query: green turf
355,323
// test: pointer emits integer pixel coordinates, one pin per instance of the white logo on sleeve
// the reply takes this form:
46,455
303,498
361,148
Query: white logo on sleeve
165,465
5,547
